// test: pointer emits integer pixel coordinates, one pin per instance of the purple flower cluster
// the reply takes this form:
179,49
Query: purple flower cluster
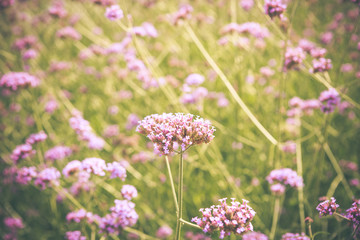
114,13
289,147
246,4
122,215
293,58
6,3
321,65
74,235
36,137
252,28
274,8
47,177
284,176
58,10
81,214
132,121
164,232
329,99
327,207
255,236
13,224
83,129
183,13
146,29
15,80
128,192
300,106
22,151
227,219
96,166
196,236
25,175
294,236
353,213
68,32
58,153
170,131
25,42
356,2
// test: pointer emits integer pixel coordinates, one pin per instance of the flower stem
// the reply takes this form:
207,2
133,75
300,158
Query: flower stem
275,218
339,215
301,189
172,184
190,224
180,196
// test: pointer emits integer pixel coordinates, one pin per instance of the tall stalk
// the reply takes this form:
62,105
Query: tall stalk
180,196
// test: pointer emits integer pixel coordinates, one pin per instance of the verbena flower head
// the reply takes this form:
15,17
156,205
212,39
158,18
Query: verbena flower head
274,8
48,176
74,235
15,80
58,153
327,207
255,236
114,12
164,232
122,215
226,219
353,213
116,170
36,137
285,176
94,165
71,168
195,79
25,175
68,32
129,192
321,65
329,99
169,131
294,57
294,236
13,223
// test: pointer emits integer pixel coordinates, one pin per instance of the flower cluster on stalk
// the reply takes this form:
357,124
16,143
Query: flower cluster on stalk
235,218
278,178
327,207
170,131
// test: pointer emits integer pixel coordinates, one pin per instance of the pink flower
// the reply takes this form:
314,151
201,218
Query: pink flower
114,12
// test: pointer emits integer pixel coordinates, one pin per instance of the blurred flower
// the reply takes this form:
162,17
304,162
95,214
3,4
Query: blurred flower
6,3
274,8
128,192
94,165
183,13
227,219
293,58
194,79
13,223
22,151
51,106
277,189
327,207
289,147
329,100
72,168
146,29
326,38
25,42
246,4
36,137
57,9
68,32
15,80
25,175
167,131
132,121
321,65
58,153
347,67
164,232
114,12
255,236
285,176
47,177
29,54
74,235
294,236
116,170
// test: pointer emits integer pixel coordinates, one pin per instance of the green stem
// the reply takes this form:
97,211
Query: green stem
190,224
172,184
180,196
275,218
301,189
339,215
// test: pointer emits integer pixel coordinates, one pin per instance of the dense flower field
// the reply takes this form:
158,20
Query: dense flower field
195,120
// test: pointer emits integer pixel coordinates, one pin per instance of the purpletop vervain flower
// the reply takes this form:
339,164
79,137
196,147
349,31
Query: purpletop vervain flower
13,223
294,236
194,79
285,176
169,131
94,165
321,65
327,207
74,235
68,32
255,236
48,176
329,99
25,175
227,219
294,57
15,80
22,151
128,192
274,8
114,12
36,137
164,232
58,153
71,168
116,170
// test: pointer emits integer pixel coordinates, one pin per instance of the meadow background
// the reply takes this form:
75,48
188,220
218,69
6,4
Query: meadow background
84,70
